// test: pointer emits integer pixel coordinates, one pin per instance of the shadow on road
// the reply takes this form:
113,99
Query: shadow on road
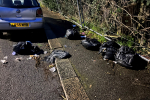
59,26
26,35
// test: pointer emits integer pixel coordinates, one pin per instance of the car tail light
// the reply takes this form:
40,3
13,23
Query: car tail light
39,12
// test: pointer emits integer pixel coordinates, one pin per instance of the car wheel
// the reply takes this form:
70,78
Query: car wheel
39,30
1,34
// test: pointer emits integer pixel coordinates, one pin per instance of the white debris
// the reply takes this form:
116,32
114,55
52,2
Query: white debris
115,62
53,69
4,61
5,57
30,58
36,55
18,59
45,52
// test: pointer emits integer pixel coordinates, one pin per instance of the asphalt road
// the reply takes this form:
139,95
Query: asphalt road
23,80
101,80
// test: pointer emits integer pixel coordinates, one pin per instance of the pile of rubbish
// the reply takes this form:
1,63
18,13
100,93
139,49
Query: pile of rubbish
110,50
26,48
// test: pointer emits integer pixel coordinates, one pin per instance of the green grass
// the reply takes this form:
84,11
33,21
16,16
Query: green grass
129,41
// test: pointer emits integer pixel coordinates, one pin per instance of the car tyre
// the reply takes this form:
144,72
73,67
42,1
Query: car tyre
39,30
1,34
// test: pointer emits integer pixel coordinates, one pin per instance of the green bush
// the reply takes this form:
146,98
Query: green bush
51,4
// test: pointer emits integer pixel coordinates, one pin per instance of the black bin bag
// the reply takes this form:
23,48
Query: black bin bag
26,48
57,54
109,49
72,34
23,47
91,44
126,57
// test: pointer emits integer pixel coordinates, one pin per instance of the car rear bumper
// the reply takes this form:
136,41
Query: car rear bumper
38,23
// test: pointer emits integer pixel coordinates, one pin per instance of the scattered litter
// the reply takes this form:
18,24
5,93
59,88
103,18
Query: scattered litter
4,61
5,57
74,25
30,58
53,69
52,65
45,52
14,53
33,56
36,55
115,62
83,33
83,36
18,59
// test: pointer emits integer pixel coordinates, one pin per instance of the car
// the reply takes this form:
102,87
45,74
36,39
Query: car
20,15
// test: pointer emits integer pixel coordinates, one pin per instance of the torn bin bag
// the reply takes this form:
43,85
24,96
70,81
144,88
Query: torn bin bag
91,44
26,48
126,57
72,34
57,54
109,49
23,47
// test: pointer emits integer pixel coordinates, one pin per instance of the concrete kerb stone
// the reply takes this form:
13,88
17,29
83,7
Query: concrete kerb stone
71,85
74,89
65,69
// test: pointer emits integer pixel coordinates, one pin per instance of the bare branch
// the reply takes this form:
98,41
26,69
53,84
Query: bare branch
128,14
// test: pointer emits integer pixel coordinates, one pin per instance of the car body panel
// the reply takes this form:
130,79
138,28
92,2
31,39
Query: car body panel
20,15
11,13
33,24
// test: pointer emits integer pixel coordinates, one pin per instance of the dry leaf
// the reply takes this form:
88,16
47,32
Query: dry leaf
90,86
